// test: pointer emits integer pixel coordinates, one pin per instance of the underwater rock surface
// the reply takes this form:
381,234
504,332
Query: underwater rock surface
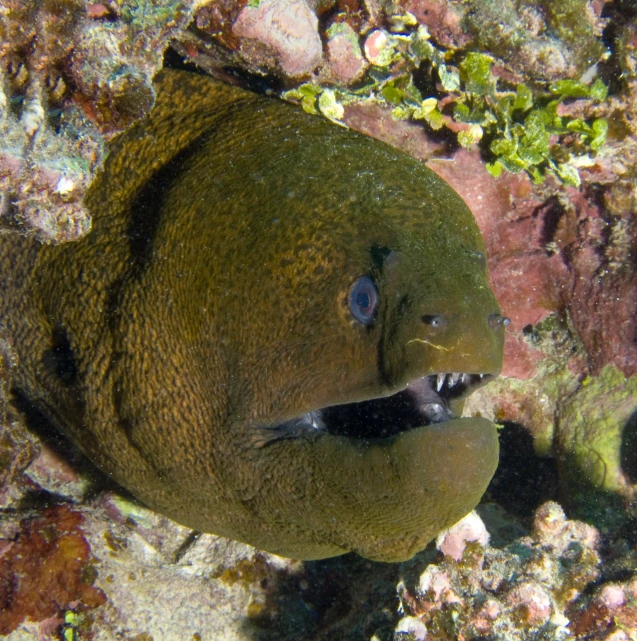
162,580
72,74
538,586
562,262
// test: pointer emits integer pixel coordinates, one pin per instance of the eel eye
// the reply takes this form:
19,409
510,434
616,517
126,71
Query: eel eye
363,300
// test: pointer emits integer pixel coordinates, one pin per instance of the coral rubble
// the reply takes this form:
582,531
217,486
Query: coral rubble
72,74
537,587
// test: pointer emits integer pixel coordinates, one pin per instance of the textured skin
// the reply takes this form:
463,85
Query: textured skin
210,300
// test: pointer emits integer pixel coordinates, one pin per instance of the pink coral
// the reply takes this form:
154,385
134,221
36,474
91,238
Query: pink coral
530,588
532,601
546,255
345,62
470,529
443,19
287,28
609,614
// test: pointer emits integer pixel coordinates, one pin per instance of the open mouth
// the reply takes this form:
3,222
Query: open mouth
423,402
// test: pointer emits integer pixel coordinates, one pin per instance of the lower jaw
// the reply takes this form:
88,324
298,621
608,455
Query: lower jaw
386,498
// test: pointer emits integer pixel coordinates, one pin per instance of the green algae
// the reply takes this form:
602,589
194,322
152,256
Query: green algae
591,428
517,126
141,14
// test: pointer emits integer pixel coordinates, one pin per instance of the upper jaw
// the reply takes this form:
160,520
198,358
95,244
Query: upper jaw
424,401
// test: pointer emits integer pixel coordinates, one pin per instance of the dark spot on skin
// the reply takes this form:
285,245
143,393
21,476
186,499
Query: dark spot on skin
381,361
113,300
379,254
118,403
126,425
61,358
403,305
386,344
147,208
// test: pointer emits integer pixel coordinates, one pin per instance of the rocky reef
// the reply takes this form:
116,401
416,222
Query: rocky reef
537,586
529,109
109,568
72,74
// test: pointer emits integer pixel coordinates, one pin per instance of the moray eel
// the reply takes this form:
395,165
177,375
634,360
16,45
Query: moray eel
269,332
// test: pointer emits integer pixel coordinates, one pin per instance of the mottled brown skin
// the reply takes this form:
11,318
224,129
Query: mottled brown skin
210,300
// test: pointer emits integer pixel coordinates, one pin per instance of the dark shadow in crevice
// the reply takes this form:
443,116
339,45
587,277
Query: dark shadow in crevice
337,599
36,422
550,213
266,84
523,481
628,449
619,14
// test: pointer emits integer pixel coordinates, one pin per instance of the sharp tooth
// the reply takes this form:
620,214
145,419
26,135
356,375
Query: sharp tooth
436,413
463,378
441,381
314,420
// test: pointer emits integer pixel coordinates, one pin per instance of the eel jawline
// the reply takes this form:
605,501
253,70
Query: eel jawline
382,477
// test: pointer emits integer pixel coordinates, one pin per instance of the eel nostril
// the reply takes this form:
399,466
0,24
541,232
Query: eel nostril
496,320
436,321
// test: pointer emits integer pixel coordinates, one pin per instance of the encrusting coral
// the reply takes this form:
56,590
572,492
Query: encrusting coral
42,570
537,587
72,74
88,75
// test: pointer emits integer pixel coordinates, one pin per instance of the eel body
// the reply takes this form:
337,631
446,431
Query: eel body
270,330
